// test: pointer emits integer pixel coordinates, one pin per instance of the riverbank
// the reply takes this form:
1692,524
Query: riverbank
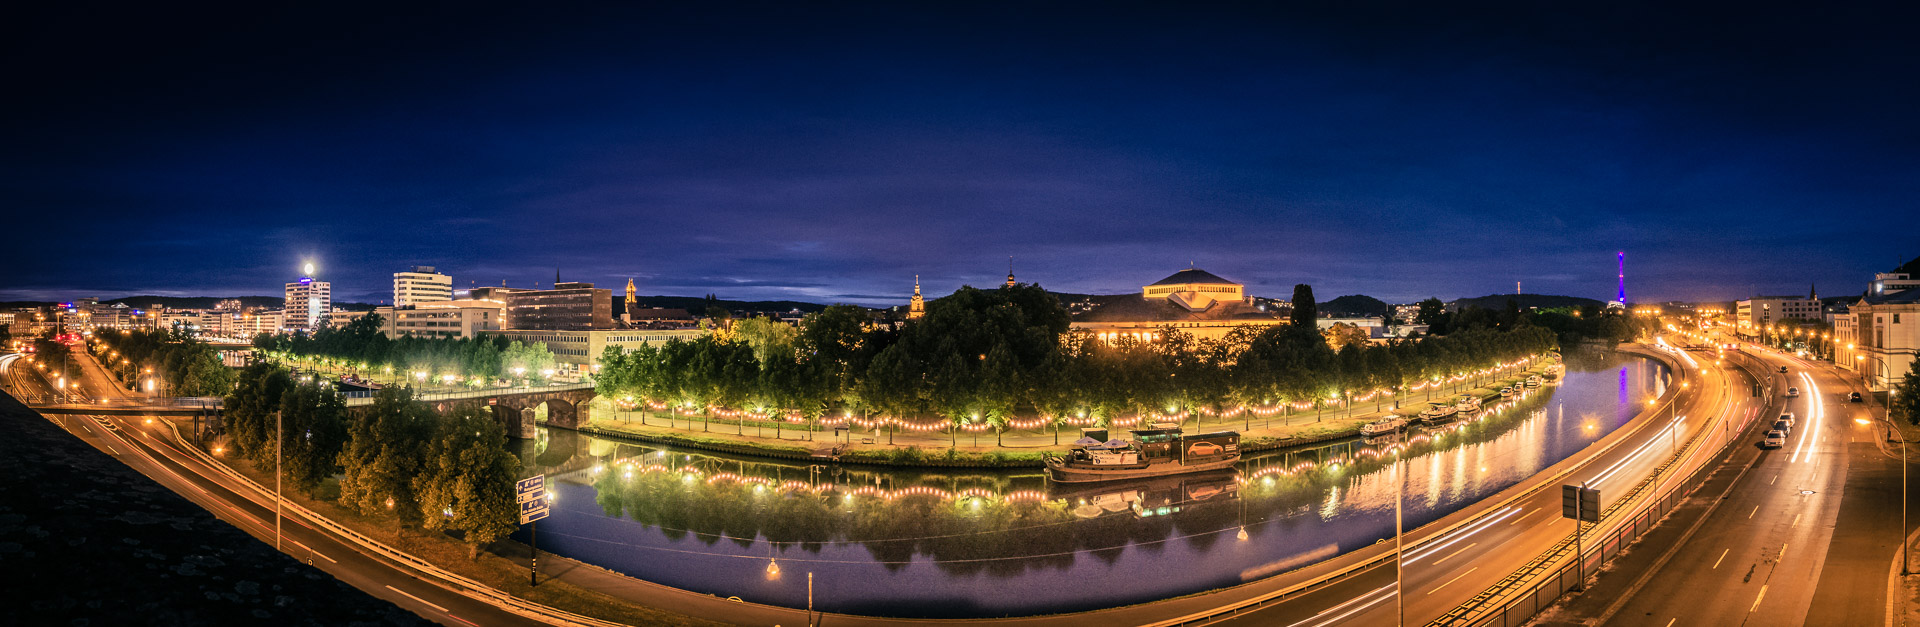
1018,449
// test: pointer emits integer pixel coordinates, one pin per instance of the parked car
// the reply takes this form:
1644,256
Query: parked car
1853,397
1793,392
1775,439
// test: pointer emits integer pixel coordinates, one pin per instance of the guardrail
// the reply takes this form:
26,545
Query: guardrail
1522,607
446,579
1234,609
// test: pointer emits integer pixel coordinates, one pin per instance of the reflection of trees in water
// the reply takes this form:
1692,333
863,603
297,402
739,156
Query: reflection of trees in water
991,522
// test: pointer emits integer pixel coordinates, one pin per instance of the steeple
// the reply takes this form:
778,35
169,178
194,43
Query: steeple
1010,282
1813,291
630,296
917,307
556,278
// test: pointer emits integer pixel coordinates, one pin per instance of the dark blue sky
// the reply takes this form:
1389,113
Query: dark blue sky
829,154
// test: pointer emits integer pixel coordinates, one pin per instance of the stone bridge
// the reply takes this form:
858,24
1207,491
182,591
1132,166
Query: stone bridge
566,408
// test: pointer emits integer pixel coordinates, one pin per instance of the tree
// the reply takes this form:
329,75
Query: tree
250,407
467,484
1342,335
1903,401
1431,311
313,430
1306,314
387,447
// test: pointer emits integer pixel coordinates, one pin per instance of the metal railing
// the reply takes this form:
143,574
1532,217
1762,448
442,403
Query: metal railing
1520,608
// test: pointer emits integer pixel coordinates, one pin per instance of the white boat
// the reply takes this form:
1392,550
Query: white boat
1437,414
1390,424
1152,453
1467,405
1506,392
1533,381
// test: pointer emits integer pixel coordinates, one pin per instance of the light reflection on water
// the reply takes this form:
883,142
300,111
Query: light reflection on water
968,543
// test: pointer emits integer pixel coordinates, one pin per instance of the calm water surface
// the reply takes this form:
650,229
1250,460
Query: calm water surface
967,543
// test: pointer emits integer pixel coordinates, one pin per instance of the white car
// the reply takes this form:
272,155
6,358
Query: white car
1775,439
1793,392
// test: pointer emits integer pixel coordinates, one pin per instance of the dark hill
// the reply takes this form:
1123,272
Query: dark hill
1354,305
1526,301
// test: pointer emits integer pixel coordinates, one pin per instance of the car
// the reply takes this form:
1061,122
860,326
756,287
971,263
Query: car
1793,392
1786,418
1853,397
1785,428
1775,439
1783,370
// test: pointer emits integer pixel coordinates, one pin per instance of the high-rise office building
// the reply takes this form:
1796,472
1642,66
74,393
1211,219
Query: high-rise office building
421,285
569,306
308,302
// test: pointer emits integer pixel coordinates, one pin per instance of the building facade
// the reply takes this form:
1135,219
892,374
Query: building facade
567,307
308,303
577,352
1754,314
448,318
421,285
1885,283
1886,337
1191,301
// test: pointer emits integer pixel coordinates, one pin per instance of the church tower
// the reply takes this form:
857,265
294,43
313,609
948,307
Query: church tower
918,307
626,311
1010,282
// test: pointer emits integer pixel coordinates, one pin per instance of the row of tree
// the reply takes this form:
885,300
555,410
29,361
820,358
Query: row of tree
398,456
360,344
189,367
989,356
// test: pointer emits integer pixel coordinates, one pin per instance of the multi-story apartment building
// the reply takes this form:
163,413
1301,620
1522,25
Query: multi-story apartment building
420,285
1754,314
447,318
308,302
1886,337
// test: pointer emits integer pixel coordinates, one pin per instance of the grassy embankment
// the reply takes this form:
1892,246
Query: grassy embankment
490,568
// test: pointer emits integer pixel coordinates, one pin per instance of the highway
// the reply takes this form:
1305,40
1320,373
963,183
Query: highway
1454,567
147,446
1448,562
1769,553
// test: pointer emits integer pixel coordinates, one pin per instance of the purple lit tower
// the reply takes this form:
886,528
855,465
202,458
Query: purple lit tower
1621,257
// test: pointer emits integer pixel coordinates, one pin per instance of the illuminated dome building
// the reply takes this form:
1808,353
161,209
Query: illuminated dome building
1192,301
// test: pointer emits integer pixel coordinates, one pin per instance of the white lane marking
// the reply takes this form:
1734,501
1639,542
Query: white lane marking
1672,620
1456,553
1723,557
1461,533
404,593
1775,478
1756,600
1438,587
1796,521
1344,615
1516,521
1756,510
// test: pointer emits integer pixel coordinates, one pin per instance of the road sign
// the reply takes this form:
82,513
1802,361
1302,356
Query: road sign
1580,503
530,485
533,510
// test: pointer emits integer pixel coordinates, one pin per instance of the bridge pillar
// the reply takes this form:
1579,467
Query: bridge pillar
517,421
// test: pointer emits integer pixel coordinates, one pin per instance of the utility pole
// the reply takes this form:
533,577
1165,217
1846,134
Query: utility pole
276,479
1399,547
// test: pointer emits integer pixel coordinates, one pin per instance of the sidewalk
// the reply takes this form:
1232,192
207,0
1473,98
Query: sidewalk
1257,432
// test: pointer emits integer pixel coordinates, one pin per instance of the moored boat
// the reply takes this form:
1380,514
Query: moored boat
1438,413
1151,453
1390,424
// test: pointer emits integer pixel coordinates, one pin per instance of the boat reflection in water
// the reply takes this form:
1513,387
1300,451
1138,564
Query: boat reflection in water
982,543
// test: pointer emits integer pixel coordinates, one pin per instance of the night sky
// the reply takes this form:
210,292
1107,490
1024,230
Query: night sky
831,153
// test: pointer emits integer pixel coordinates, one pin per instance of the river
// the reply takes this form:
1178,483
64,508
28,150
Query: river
978,543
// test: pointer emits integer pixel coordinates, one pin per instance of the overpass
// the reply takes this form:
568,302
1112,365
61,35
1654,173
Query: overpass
514,407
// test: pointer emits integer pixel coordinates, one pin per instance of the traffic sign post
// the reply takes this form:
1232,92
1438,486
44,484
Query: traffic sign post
531,493
1582,504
